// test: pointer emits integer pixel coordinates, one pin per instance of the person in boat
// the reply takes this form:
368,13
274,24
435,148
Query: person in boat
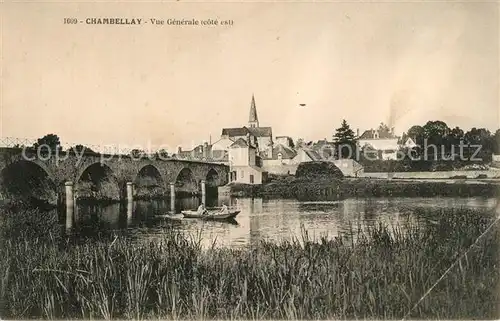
202,210
224,209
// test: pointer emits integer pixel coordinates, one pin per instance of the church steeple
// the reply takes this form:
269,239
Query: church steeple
253,120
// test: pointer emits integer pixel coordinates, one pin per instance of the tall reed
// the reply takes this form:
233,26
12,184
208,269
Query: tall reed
385,273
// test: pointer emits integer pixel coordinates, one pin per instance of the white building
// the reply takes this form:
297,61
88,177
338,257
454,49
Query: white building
385,143
243,163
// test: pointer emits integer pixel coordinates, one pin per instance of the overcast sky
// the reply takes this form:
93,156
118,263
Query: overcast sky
398,63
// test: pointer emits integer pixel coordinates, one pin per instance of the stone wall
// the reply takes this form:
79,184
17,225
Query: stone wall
280,169
434,175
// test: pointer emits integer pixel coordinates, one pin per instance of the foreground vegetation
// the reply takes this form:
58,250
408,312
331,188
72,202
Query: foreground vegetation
435,270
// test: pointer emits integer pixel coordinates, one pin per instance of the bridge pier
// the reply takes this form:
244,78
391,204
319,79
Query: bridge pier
203,192
70,204
130,208
130,191
172,197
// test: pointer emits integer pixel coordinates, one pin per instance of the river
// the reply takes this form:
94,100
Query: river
264,219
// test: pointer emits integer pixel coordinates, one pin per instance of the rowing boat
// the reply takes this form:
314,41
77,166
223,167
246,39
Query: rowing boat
211,217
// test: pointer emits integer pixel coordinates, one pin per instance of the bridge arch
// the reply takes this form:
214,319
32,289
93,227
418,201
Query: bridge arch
212,178
212,181
149,182
28,180
185,181
97,181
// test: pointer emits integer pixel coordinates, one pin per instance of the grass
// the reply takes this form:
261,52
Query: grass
384,274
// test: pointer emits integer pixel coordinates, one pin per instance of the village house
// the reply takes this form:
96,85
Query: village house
408,143
280,161
382,141
325,149
244,163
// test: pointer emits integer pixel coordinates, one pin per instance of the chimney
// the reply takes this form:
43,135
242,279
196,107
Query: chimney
357,132
205,149
179,150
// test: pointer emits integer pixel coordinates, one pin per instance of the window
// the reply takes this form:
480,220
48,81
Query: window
242,174
251,179
280,156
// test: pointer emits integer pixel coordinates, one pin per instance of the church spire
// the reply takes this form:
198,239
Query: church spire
253,120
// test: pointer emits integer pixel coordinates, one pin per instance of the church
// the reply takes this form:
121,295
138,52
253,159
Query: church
261,137
246,147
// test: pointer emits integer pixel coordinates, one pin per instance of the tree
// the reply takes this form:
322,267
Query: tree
79,149
417,134
384,130
456,135
345,141
479,137
436,132
48,143
162,154
300,143
496,142
137,153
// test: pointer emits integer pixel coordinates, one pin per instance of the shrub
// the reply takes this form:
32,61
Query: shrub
318,170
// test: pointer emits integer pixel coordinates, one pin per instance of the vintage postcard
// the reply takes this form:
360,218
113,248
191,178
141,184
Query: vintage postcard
262,160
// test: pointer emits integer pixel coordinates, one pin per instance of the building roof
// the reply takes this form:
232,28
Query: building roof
382,144
231,132
312,154
253,112
261,131
320,143
243,131
370,134
240,142
286,152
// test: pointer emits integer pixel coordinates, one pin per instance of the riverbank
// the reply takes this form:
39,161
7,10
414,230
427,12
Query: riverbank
333,189
385,274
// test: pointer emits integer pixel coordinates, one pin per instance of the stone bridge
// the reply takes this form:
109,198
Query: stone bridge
98,176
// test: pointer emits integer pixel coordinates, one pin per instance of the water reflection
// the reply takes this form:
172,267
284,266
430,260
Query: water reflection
262,219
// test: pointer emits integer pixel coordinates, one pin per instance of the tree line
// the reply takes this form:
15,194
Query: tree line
437,133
